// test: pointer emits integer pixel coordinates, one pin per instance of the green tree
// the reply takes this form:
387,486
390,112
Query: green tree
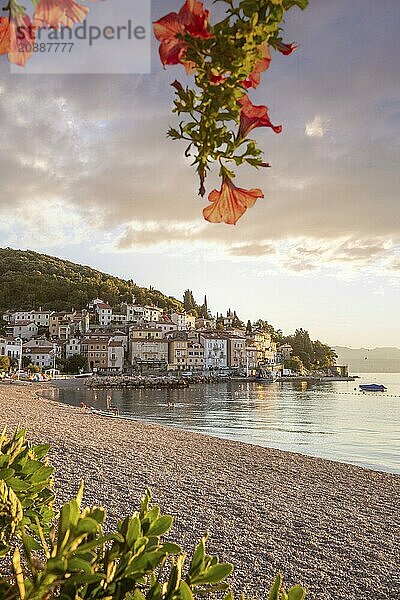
236,321
13,362
188,301
294,364
4,364
219,322
303,347
324,356
203,309
74,363
29,279
2,327
264,326
25,362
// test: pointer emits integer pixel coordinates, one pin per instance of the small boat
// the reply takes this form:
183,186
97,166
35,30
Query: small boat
372,387
83,375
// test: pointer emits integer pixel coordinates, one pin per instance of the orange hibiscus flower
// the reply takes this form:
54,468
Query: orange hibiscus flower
4,35
17,35
192,19
254,116
262,65
55,13
230,203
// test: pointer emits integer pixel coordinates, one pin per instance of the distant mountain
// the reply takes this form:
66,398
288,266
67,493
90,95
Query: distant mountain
369,360
29,280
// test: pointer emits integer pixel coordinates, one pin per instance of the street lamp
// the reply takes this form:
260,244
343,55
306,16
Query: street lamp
54,359
19,357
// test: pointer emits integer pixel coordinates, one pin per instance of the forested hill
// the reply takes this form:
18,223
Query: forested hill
29,280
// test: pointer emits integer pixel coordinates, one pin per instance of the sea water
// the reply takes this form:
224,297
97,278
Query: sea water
330,420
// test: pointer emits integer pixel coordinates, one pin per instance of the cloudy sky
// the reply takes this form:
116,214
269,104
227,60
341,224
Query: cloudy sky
87,174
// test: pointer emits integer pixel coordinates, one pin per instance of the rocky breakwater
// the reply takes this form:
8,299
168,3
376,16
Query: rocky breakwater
140,381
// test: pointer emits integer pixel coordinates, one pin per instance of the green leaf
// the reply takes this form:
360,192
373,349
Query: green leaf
18,573
78,564
42,474
171,548
296,593
31,466
198,556
274,592
30,543
287,4
41,450
185,591
86,526
18,485
6,473
161,526
134,530
215,574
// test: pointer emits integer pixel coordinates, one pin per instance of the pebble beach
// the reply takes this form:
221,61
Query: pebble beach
330,526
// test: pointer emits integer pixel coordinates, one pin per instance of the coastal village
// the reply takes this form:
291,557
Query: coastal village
139,340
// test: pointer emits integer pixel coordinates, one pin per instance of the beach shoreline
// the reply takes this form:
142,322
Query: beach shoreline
330,526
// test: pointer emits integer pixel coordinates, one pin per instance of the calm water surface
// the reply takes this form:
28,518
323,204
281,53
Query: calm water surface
329,420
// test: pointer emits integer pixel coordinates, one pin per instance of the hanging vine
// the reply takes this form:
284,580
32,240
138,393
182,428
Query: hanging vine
227,60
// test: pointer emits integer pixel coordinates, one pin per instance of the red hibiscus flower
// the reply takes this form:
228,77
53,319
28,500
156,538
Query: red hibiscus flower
230,203
16,38
254,116
286,49
192,19
57,13
262,65
217,79
4,35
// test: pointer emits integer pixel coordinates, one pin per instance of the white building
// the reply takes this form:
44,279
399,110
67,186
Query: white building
215,351
147,344
120,336
41,356
152,314
119,319
22,315
115,361
10,347
72,347
23,329
134,314
202,323
138,314
183,321
64,331
8,316
195,360
104,314
41,317
165,326
236,351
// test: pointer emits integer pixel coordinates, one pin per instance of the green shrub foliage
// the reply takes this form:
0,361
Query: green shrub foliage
26,488
76,560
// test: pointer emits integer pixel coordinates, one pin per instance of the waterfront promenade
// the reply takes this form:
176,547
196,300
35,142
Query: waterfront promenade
330,526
